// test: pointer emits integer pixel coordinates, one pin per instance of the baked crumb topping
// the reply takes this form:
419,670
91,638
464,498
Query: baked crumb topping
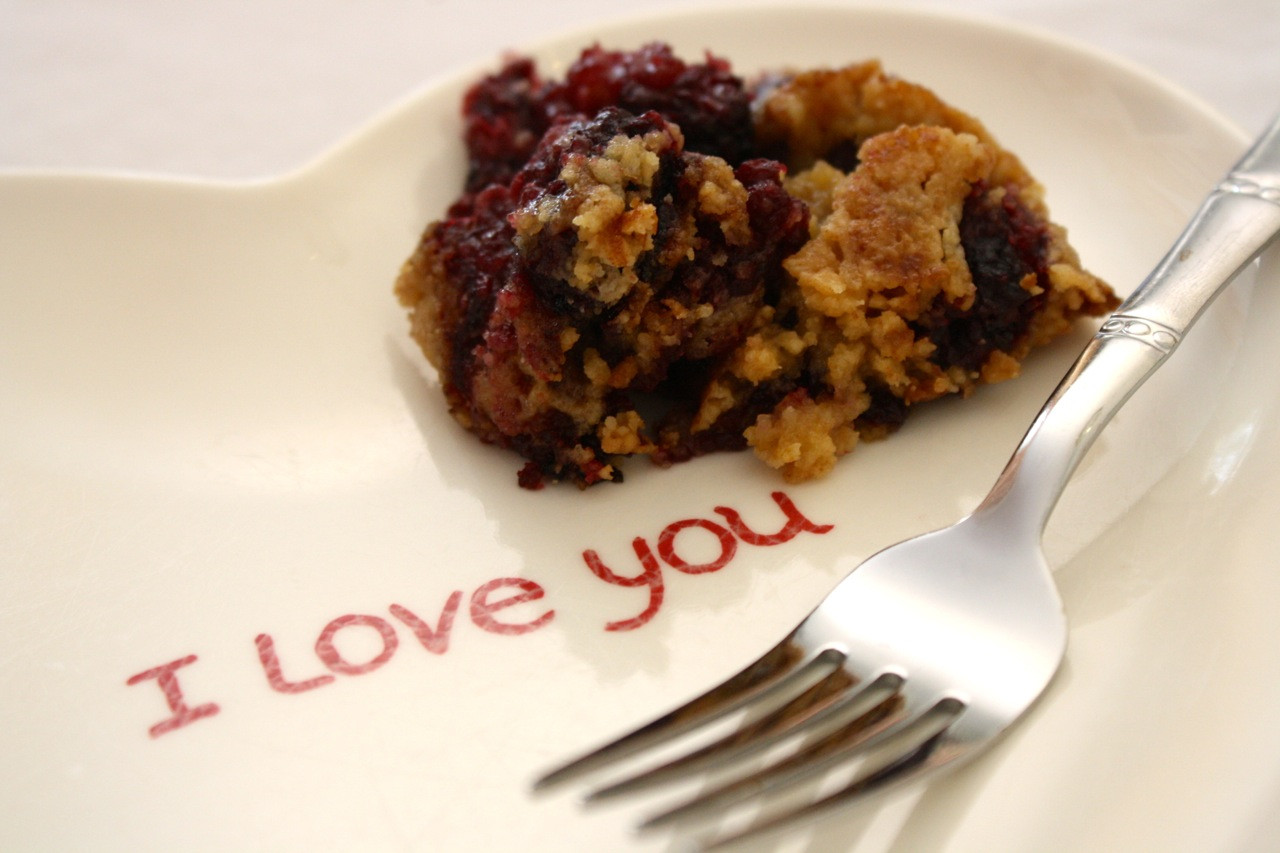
794,281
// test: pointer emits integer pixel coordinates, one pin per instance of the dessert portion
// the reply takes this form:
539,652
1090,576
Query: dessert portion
933,268
649,257
615,254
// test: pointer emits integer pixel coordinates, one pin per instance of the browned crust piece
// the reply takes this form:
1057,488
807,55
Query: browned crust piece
886,270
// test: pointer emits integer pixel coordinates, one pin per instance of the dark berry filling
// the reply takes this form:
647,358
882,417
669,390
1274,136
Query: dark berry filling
887,411
504,118
707,101
1003,243
506,113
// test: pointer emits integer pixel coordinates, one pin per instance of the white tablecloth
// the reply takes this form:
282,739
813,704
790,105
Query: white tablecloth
251,88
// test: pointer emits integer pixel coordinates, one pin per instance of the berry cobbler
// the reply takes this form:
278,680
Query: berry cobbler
651,256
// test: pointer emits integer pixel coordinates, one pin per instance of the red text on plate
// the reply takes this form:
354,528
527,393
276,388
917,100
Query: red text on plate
181,714
727,535
486,606
489,608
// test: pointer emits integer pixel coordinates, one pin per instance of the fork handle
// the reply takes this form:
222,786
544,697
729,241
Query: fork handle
1233,225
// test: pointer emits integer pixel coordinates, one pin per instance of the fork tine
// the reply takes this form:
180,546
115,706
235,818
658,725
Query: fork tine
927,733
768,682
882,728
832,704
811,759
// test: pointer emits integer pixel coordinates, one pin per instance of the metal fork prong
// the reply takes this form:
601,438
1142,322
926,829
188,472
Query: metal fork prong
809,715
928,732
769,682
854,740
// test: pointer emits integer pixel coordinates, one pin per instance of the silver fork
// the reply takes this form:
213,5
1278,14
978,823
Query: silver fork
924,654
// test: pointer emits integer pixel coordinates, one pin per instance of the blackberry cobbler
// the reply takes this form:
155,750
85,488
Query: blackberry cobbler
650,257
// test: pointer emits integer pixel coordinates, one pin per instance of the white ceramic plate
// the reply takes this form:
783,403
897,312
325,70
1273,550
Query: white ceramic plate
236,520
